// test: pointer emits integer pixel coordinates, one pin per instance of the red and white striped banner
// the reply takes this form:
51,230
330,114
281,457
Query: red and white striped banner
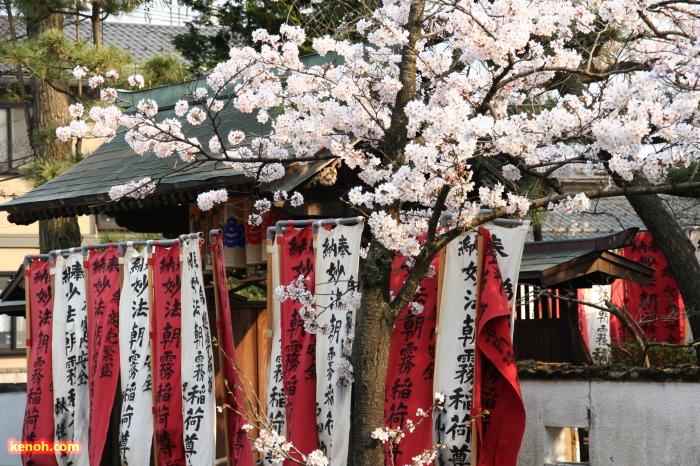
70,358
454,375
102,270
409,380
136,425
298,346
498,403
337,265
167,355
233,394
38,415
198,402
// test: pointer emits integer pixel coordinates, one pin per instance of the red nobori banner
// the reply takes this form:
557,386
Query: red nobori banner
166,323
103,343
658,306
38,416
298,346
240,447
497,396
409,380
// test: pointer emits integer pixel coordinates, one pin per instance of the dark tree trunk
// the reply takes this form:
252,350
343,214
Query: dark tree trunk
373,331
50,110
96,22
675,246
376,316
58,233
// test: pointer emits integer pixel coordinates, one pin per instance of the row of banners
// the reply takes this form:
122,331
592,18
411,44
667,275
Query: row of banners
459,348
657,307
141,319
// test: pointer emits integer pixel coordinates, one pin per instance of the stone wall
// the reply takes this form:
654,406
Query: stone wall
629,422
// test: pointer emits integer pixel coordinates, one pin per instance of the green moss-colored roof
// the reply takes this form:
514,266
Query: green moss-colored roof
114,163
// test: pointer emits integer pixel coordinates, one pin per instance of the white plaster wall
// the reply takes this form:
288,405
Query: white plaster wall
12,411
630,423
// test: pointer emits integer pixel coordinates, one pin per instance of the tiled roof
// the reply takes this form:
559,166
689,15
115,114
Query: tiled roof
613,214
84,188
141,40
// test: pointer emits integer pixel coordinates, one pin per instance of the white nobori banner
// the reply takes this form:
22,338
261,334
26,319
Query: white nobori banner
454,352
337,264
70,357
136,426
274,391
198,402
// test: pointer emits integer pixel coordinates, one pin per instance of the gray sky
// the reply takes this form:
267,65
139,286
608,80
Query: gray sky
167,12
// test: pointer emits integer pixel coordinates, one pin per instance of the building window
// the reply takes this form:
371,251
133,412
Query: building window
14,138
566,446
13,334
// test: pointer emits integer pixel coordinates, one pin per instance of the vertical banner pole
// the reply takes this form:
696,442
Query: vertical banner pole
269,332
222,359
151,334
28,316
476,387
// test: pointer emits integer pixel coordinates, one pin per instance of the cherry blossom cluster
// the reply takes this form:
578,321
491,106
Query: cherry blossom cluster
345,369
387,434
349,301
272,445
298,291
486,73
579,203
209,199
275,448
133,189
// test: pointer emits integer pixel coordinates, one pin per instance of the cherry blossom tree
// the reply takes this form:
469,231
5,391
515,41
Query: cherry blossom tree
446,106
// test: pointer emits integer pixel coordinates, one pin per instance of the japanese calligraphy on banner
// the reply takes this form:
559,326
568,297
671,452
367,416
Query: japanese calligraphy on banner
595,323
38,415
274,391
497,396
298,346
136,425
240,446
167,350
198,402
657,306
337,264
103,343
454,375
70,357
509,244
409,381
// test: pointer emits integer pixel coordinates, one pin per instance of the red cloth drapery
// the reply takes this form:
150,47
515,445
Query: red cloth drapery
167,354
657,306
240,447
409,381
103,343
298,346
38,416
